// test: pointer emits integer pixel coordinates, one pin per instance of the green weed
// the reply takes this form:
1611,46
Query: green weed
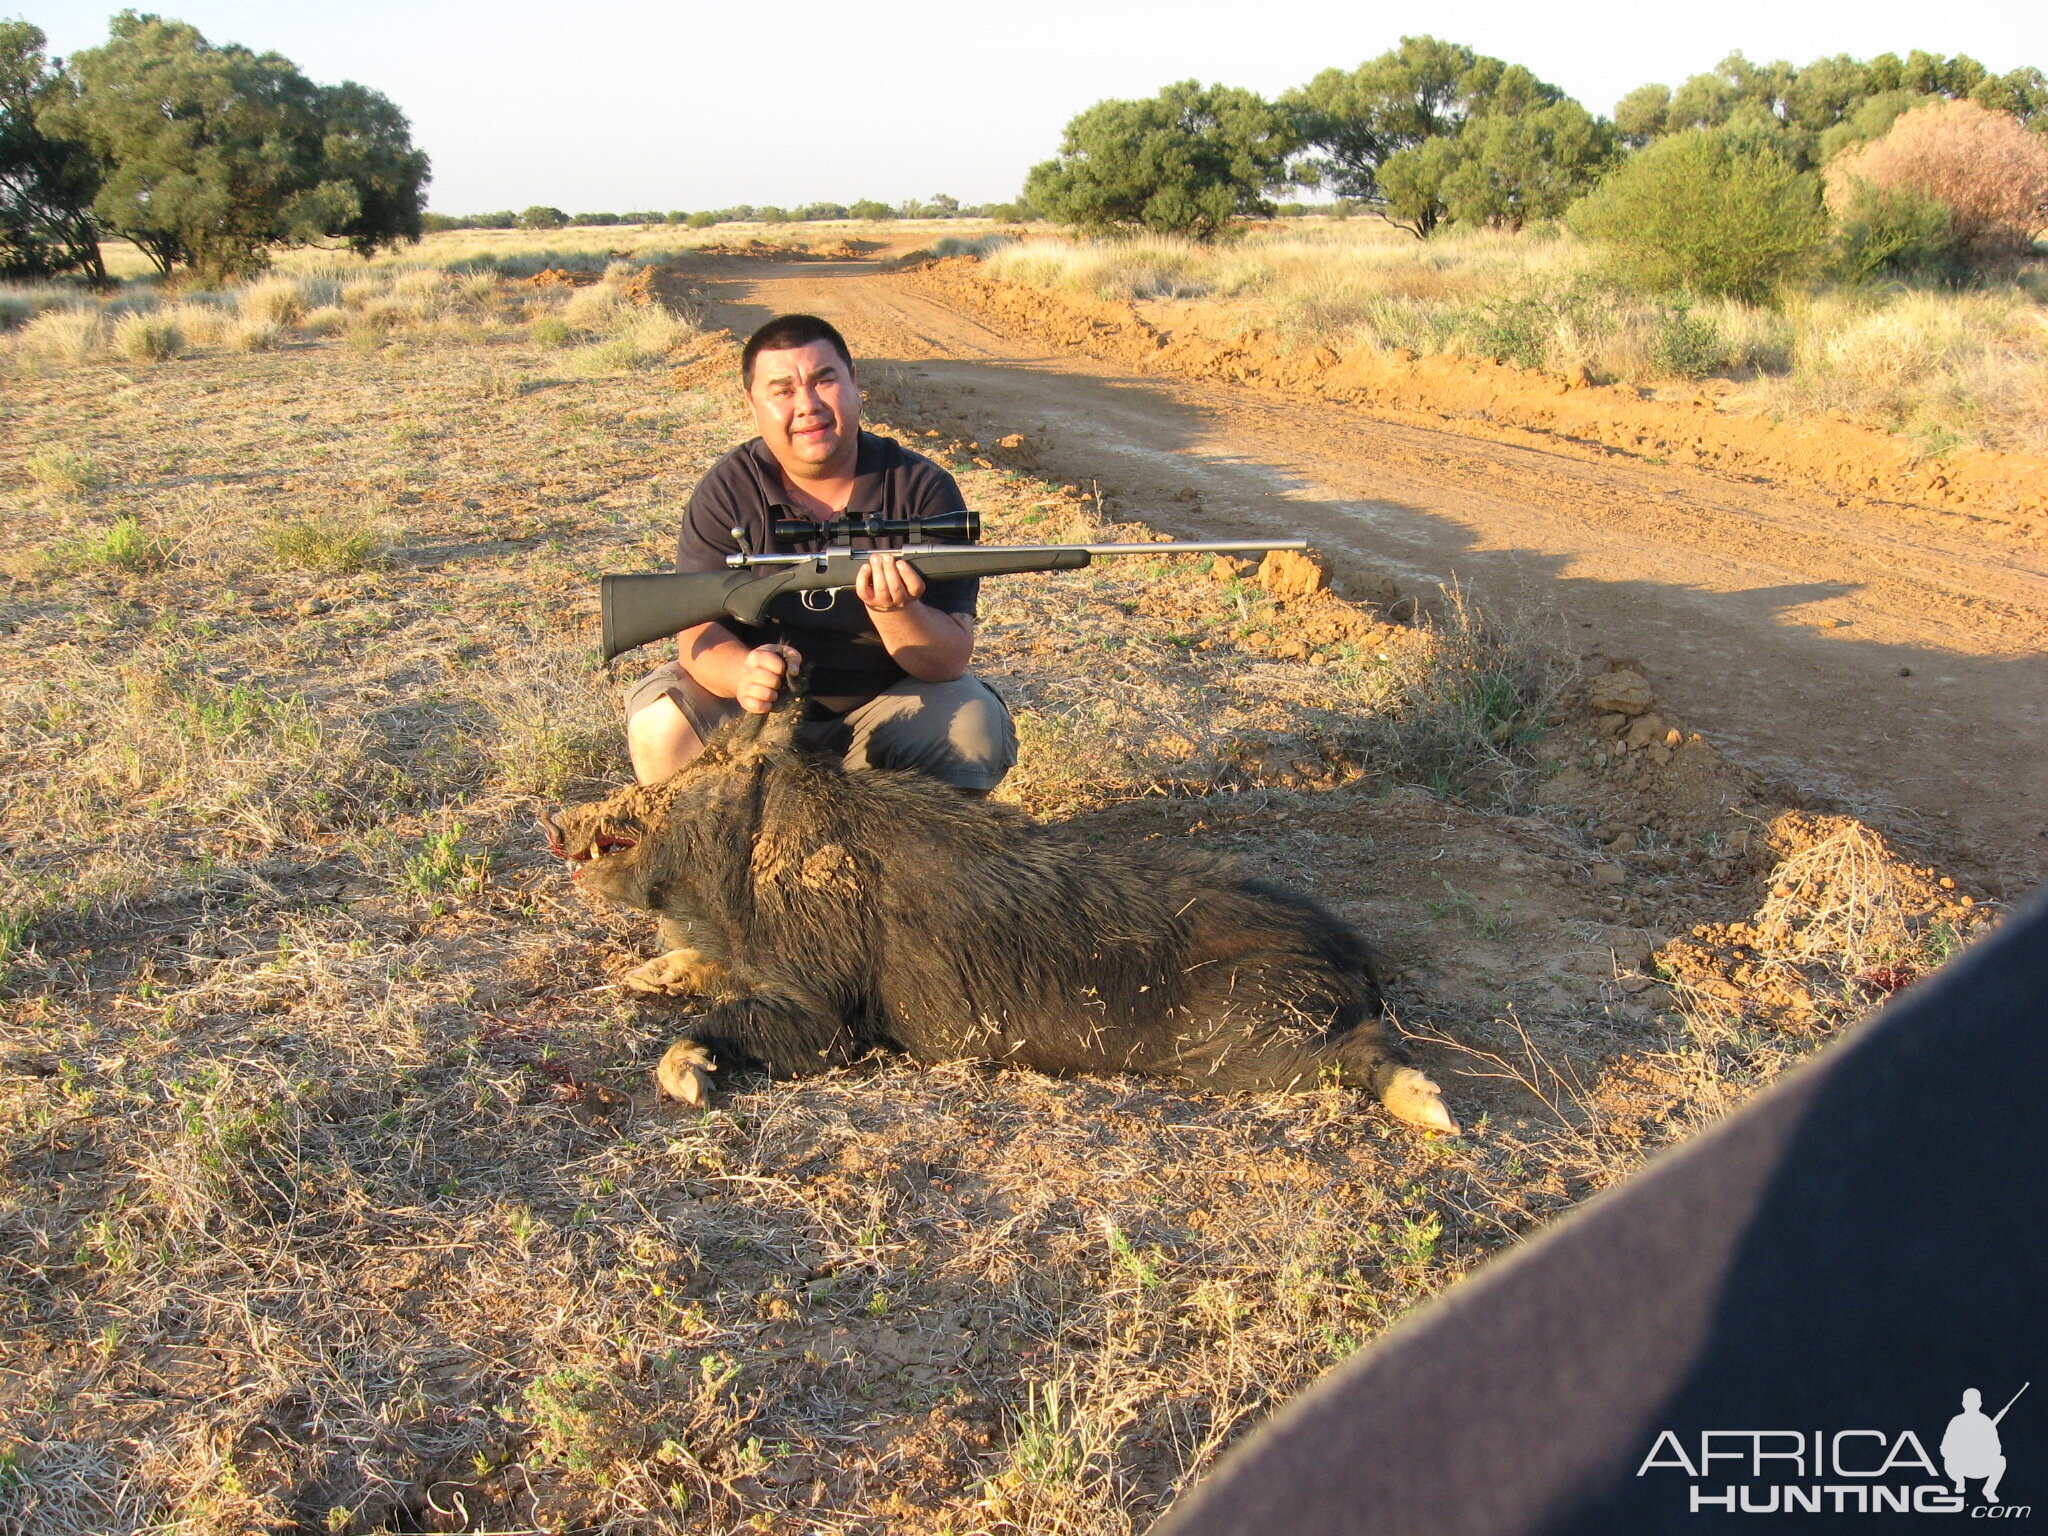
336,544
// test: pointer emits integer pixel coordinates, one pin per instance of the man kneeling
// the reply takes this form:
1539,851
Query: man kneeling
889,682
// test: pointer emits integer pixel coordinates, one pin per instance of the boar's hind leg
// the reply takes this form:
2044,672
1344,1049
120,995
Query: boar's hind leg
787,1034
1289,1056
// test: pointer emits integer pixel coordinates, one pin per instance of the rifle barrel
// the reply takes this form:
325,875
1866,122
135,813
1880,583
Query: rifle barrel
1193,547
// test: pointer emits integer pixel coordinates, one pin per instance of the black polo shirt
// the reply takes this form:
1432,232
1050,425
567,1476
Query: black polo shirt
745,489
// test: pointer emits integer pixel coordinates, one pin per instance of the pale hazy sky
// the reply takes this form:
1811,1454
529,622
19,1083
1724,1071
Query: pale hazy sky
608,105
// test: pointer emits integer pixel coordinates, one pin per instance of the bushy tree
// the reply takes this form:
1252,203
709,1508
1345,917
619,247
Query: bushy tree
209,156
1512,167
1988,171
868,208
47,183
542,216
1433,131
1187,161
1711,210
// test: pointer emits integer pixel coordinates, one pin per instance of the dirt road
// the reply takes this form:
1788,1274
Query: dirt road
1898,668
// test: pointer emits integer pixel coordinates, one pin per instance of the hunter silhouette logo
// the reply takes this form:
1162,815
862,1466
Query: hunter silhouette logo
1971,1447
1845,1471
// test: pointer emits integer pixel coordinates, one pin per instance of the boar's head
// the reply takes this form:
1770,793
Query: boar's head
637,846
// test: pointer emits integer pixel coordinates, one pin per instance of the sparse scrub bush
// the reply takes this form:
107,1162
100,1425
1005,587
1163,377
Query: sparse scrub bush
334,544
552,331
1988,171
1689,345
1715,211
65,472
1467,704
639,339
147,338
22,302
202,320
1362,287
327,320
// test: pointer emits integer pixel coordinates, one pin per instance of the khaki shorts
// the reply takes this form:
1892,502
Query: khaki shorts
959,733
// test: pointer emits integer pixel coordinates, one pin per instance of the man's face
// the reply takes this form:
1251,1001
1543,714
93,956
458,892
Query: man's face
807,409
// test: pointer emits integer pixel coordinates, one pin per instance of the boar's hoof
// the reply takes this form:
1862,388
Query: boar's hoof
684,1074
679,973
1412,1097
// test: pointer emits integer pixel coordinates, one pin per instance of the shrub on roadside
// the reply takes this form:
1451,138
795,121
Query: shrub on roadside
1713,211
1688,345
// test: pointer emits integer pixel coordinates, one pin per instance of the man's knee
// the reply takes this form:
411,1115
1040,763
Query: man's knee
660,740
957,732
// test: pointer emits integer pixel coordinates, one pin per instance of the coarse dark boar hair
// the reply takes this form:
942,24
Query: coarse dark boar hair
833,912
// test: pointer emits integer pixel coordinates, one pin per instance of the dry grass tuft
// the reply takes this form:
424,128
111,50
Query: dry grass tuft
147,338
1840,899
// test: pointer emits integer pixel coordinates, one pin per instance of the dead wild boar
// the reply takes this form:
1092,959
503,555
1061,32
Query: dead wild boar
834,912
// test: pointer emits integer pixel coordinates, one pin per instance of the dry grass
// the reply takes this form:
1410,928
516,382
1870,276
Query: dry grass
1947,367
331,1193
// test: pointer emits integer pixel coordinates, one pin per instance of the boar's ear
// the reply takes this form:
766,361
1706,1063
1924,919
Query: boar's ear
754,736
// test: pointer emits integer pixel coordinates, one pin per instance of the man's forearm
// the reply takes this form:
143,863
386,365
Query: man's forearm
930,644
713,655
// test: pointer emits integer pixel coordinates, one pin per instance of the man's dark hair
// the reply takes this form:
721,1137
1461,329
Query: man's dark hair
786,333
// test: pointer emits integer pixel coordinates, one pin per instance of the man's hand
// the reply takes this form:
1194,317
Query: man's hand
887,583
762,675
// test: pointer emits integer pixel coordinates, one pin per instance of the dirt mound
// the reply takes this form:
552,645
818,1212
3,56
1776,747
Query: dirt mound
561,277
1847,919
824,250
2002,495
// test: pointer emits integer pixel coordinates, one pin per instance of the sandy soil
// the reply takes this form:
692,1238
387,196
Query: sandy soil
1894,667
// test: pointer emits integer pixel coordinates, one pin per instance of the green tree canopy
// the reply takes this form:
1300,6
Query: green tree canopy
1186,161
1711,210
212,155
1433,131
46,183
1828,105
1359,118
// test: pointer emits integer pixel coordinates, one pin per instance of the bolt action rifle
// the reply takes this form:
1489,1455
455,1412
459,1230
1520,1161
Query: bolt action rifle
641,608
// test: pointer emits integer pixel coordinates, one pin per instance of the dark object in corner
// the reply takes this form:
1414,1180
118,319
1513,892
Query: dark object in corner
1847,1256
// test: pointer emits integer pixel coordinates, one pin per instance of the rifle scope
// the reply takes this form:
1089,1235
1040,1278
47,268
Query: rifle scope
962,527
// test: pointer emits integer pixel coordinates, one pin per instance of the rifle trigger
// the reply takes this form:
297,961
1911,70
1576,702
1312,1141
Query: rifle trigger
830,594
